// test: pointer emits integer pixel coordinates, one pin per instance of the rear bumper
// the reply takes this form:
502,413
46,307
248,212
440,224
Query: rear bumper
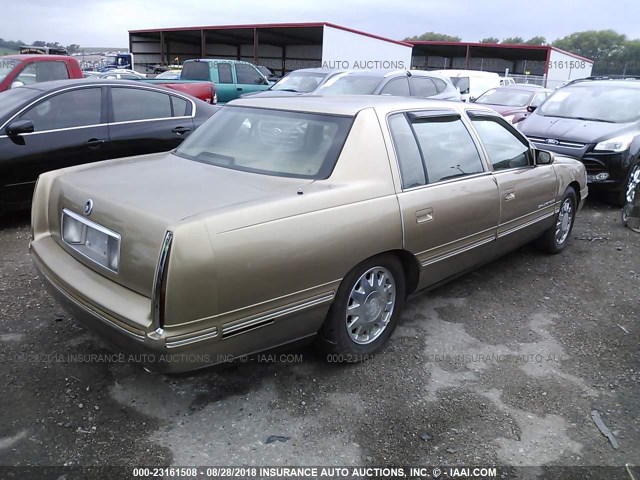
98,303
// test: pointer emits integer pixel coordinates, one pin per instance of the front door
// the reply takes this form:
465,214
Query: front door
527,191
449,200
249,79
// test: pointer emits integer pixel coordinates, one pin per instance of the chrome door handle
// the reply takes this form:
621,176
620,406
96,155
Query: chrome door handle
424,215
509,195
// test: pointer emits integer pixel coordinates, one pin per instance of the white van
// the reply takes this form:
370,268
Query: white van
472,83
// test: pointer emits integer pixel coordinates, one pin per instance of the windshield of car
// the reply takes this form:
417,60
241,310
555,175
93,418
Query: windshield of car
169,75
601,102
505,97
270,142
13,99
6,66
299,82
350,85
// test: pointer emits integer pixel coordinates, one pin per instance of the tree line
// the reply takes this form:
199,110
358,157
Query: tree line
15,45
612,52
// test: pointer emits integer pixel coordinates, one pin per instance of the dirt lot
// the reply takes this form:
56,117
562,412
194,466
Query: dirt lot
501,367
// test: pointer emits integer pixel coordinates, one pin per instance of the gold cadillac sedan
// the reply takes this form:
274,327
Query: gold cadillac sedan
283,219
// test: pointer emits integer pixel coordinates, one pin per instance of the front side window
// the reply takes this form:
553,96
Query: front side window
433,147
397,86
447,148
462,83
269,142
539,99
505,150
131,104
77,108
248,75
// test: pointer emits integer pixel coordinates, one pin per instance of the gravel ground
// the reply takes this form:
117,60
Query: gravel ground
503,366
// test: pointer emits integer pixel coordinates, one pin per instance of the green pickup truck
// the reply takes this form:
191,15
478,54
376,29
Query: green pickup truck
231,77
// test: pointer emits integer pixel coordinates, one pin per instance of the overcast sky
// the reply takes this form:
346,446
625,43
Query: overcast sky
104,23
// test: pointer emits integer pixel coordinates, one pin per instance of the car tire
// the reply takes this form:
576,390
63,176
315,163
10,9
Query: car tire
375,289
556,237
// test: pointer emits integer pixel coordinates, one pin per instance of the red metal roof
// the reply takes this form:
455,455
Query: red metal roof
498,46
272,25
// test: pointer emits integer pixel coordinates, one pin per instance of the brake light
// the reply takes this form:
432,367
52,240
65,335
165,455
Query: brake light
160,283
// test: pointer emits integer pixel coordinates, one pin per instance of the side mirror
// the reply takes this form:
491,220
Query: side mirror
19,127
17,84
544,158
531,108
472,99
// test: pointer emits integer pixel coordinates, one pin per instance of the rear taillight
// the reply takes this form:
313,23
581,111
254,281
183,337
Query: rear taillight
160,283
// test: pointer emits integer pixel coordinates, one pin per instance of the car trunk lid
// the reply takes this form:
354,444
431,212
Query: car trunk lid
141,197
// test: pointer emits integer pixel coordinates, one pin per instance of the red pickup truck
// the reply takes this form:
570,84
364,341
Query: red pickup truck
19,70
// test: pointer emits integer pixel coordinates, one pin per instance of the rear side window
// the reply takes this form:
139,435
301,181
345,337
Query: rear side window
447,148
422,87
77,108
505,150
224,73
138,104
407,151
196,71
397,86
180,107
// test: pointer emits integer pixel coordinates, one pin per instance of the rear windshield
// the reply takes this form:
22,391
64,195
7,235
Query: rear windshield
269,142
299,82
195,71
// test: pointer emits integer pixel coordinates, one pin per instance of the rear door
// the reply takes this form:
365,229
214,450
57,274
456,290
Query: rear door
449,199
144,120
527,191
70,128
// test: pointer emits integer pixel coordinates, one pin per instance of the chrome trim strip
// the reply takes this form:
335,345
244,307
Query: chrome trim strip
458,251
94,226
161,268
150,120
229,328
523,225
188,339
